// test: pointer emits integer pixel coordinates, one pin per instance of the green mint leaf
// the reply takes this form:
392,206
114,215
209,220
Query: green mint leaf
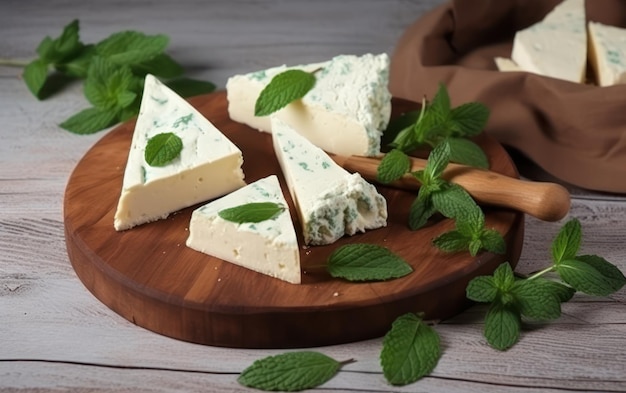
452,241
393,166
438,160
162,149
585,277
78,65
454,202
89,121
399,131
291,371
366,262
411,350
536,300
107,85
35,75
283,89
440,104
68,42
562,292
131,47
482,289
421,210
463,151
161,65
567,241
493,241
45,50
470,118
502,326
187,87
612,274
252,212
475,246
503,277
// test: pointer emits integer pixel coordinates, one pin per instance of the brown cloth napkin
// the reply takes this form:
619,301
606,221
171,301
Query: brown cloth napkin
576,132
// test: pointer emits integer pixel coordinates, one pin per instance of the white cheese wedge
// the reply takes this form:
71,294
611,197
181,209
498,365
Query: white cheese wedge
330,201
269,247
607,52
209,164
506,65
557,45
345,112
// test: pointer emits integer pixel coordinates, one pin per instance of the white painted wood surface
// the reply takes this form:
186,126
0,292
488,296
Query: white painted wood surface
56,336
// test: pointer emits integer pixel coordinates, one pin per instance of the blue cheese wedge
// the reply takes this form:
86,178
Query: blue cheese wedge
330,201
208,166
607,53
269,247
345,113
557,45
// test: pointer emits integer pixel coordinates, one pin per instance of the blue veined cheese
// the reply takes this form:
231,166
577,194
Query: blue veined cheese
269,247
208,166
557,45
345,113
607,52
330,201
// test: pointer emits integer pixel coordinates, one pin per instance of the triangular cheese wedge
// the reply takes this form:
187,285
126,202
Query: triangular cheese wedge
330,201
209,164
345,113
557,45
607,52
269,247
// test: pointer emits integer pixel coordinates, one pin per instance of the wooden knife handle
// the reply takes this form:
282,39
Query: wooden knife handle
543,200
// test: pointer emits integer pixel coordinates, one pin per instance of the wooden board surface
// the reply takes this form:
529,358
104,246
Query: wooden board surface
151,278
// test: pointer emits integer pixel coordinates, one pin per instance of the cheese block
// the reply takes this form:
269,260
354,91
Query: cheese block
208,166
345,112
557,45
330,201
607,53
506,65
269,247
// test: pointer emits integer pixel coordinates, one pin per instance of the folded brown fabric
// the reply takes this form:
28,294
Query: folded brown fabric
576,132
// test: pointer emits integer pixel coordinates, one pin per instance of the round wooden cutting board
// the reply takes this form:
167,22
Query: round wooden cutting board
148,275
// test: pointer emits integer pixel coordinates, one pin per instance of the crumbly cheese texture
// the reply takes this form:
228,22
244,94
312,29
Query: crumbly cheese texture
345,113
607,53
557,45
208,166
330,201
269,247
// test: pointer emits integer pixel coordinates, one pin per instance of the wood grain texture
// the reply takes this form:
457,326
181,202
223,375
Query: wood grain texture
150,277
57,336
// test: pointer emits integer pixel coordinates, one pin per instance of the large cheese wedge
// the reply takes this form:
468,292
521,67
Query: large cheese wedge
330,201
269,247
345,112
607,53
557,45
209,164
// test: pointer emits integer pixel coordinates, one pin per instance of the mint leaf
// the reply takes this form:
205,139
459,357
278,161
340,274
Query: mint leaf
68,43
393,166
463,151
187,87
291,371
106,84
438,159
399,128
162,149
492,241
585,277
131,47
503,277
283,89
567,241
78,65
161,65
421,210
482,289
454,202
470,118
502,326
89,121
562,292
452,241
612,274
35,75
252,212
410,351
536,300
366,262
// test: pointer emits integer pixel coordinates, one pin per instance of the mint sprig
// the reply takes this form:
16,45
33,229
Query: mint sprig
366,262
113,69
513,300
162,149
253,212
291,371
283,89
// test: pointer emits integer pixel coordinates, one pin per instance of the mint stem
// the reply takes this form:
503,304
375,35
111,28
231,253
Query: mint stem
541,272
13,62
341,364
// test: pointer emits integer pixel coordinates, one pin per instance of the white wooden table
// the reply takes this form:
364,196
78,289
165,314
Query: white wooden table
55,335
